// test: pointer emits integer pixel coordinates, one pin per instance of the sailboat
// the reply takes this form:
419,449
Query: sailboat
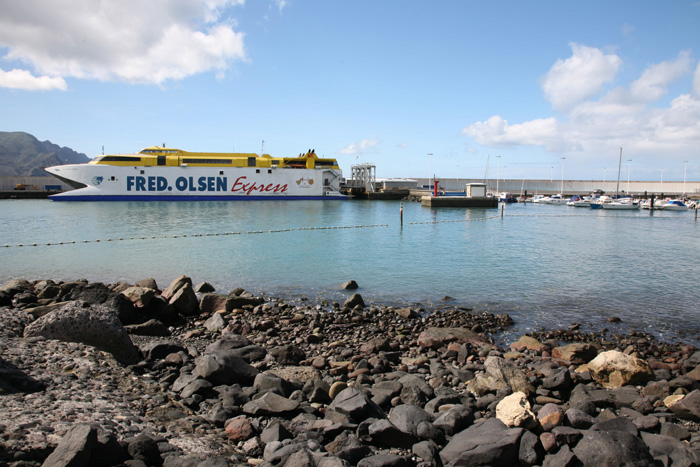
624,203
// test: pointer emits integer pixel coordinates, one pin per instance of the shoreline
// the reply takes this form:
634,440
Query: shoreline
250,380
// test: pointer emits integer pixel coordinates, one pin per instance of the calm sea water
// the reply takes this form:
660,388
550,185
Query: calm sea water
547,266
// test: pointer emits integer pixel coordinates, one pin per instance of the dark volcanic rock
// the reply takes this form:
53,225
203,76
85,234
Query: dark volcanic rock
612,448
89,324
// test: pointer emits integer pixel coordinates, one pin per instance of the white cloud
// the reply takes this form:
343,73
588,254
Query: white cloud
22,79
696,83
130,40
653,84
632,116
498,132
365,146
579,77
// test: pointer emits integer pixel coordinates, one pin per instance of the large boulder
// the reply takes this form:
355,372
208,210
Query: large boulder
686,407
487,443
575,353
614,369
514,411
94,325
500,373
612,448
224,367
437,337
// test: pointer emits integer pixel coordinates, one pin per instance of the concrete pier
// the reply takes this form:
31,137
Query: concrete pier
459,202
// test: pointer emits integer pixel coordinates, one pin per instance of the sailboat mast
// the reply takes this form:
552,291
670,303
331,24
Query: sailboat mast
619,165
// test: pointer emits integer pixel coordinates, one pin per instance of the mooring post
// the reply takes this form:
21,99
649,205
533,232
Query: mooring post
502,206
401,212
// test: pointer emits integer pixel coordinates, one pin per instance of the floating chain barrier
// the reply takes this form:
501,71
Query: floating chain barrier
251,232
248,232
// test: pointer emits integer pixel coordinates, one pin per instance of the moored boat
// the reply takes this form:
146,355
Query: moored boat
160,173
674,205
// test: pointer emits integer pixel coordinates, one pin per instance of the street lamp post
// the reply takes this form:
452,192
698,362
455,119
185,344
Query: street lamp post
629,163
498,166
662,180
430,170
562,176
685,172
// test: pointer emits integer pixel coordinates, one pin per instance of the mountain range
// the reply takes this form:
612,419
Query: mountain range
21,155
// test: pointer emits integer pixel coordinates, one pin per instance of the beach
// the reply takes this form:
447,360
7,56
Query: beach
187,375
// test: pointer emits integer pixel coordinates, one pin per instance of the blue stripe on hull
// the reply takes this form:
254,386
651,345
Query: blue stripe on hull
189,198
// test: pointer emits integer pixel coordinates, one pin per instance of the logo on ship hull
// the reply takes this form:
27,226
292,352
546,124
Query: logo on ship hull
304,182
97,180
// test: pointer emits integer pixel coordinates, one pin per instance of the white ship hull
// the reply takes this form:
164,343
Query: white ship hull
118,183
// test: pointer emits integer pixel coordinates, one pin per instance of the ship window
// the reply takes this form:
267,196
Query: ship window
251,162
269,171
161,160
119,159
257,171
142,172
276,161
112,178
205,161
221,172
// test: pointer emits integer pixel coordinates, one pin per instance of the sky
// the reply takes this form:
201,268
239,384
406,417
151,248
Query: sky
454,88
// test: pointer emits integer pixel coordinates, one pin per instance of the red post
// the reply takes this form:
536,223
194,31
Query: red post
435,189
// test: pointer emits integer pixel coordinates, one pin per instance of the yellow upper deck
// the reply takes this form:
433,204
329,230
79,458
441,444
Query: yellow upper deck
169,157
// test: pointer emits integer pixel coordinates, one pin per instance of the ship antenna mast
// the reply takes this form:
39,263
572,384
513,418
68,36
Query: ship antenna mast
262,149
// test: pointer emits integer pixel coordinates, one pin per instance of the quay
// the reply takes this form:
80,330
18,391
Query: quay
459,202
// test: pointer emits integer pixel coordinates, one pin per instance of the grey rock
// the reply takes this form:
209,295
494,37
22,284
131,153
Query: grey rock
152,327
563,458
270,404
687,408
94,325
407,417
145,449
355,405
384,433
617,424
288,354
679,452
675,431
530,451
578,419
500,373
427,451
264,382
275,431
223,367
454,420
355,300
385,460
612,448
487,443
75,448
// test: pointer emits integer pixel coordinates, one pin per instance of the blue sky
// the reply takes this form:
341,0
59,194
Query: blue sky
517,85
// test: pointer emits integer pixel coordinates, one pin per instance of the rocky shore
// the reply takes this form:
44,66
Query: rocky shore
133,375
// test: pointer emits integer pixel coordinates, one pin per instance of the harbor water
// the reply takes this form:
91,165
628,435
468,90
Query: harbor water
546,266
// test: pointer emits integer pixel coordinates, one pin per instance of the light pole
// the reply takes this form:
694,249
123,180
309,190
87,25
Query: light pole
430,170
604,169
685,172
498,166
662,179
457,173
562,177
629,163
551,174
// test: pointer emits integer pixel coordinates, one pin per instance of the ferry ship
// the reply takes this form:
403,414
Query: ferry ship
160,173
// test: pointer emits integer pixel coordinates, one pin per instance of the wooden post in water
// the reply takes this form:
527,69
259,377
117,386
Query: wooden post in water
502,206
401,213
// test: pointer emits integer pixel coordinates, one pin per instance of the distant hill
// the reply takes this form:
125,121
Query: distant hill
21,155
